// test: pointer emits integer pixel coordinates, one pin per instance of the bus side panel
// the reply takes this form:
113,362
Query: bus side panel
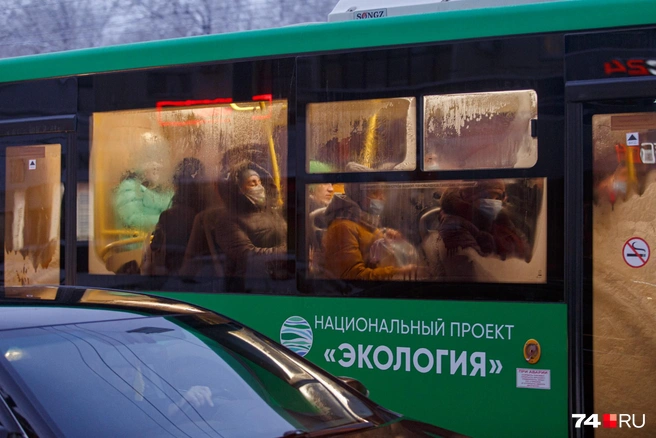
460,365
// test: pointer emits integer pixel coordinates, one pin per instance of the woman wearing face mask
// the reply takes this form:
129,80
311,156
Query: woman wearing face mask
474,217
353,227
252,231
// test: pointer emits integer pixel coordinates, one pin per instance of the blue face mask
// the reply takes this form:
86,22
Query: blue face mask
376,206
490,207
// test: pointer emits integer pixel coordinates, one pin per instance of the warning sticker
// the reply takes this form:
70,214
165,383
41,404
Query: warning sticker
533,379
31,165
632,139
636,252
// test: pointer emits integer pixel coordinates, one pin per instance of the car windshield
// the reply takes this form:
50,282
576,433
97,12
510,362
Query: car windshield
179,376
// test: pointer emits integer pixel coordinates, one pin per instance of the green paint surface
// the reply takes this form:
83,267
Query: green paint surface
490,406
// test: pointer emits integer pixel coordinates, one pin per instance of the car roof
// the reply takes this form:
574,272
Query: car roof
39,306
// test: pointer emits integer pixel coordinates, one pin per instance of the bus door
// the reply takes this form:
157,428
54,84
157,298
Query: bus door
611,91
32,198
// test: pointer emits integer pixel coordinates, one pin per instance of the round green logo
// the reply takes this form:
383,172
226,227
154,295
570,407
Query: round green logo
296,334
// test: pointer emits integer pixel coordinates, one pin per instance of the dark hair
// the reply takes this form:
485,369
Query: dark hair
189,184
188,170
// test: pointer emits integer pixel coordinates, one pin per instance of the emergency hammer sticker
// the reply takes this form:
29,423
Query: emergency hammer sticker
636,252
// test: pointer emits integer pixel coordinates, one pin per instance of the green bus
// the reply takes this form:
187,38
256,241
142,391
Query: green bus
453,207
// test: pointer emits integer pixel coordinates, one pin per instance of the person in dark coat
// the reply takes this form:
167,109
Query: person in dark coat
474,217
173,229
253,232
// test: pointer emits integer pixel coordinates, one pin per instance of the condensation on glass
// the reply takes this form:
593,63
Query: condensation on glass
361,136
142,159
623,276
480,131
453,231
33,199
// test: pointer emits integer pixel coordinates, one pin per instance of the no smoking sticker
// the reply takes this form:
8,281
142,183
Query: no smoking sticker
636,252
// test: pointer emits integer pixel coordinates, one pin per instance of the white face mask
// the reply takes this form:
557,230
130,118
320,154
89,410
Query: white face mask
490,207
257,195
619,187
376,206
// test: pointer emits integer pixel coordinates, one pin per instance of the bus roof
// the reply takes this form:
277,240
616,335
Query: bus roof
325,37
367,9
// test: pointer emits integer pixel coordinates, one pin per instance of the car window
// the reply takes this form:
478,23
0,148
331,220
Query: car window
172,377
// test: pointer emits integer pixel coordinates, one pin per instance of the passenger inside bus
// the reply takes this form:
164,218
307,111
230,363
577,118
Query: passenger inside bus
320,195
354,239
241,235
474,230
141,197
474,217
253,232
165,253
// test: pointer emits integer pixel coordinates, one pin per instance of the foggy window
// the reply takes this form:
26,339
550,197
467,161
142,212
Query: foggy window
488,230
361,136
480,131
32,214
154,172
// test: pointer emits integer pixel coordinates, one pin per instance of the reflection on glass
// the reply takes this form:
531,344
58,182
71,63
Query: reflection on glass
480,130
361,136
33,198
623,277
154,171
472,231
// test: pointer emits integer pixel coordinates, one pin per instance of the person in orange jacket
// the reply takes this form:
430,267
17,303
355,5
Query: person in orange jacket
353,228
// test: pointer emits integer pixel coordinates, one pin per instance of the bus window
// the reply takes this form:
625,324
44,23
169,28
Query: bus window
455,231
153,171
363,135
33,198
480,131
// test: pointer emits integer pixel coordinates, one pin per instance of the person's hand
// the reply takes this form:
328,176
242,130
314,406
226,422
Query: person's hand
390,233
407,271
196,396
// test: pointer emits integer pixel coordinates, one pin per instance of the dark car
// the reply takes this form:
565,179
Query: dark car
78,362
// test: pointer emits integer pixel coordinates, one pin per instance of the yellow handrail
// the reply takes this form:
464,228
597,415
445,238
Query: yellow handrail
119,243
369,151
274,159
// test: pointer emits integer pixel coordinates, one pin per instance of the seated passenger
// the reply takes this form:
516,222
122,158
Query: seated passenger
475,217
139,198
320,195
353,227
252,231
203,256
173,229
